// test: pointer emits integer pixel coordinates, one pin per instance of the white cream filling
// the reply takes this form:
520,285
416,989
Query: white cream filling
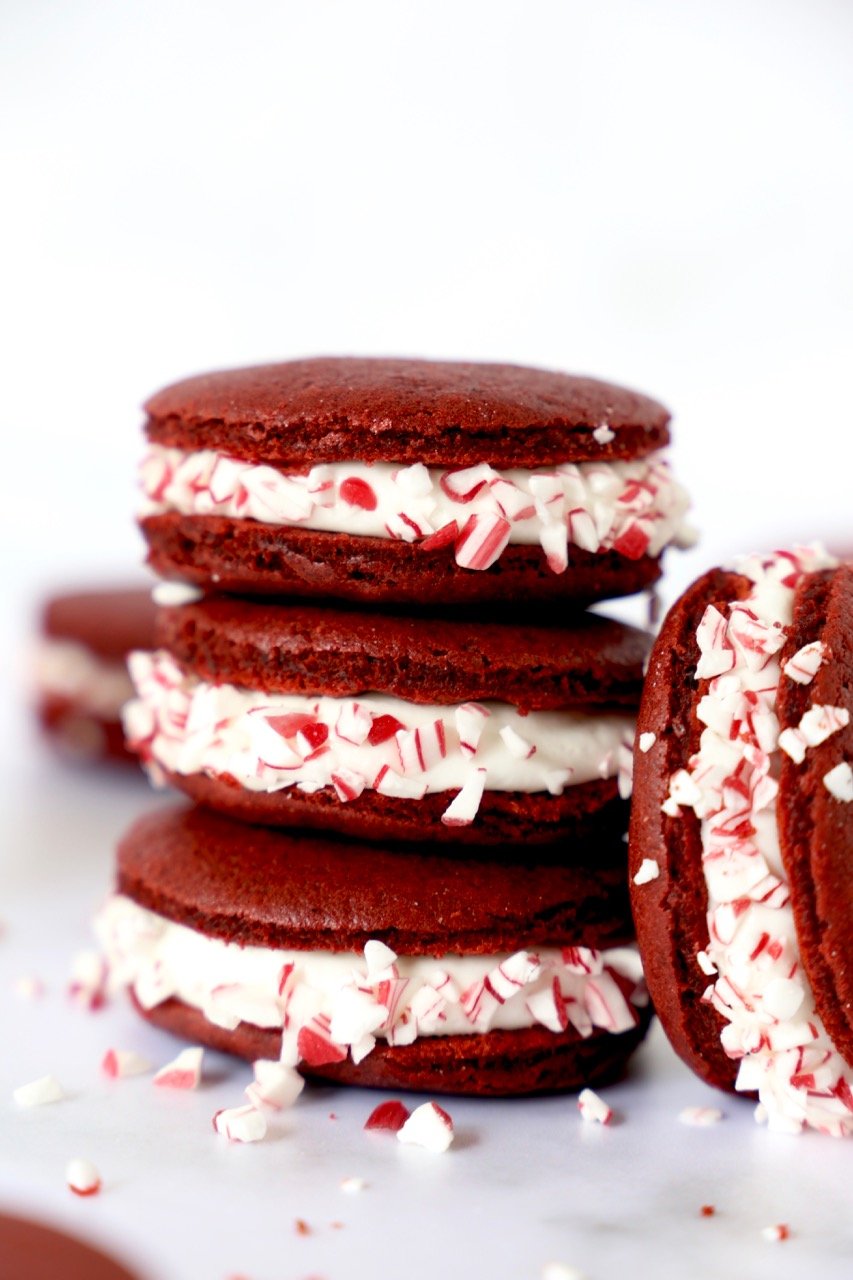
267,742
66,669
635,508
335,1003
761,988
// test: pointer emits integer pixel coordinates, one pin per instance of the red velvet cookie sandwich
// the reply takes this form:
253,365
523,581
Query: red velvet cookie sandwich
408,481
741,851
370,966
392,727
80,670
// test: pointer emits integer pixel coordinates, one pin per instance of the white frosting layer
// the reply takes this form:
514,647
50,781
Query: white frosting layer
271,741
635,508
65,669
761,988
330,1003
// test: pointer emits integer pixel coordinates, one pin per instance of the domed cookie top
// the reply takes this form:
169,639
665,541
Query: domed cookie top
408,480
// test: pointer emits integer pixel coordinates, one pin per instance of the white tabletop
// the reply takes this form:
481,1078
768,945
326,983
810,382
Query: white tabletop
525,1182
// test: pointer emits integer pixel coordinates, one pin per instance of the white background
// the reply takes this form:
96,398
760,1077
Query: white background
659,192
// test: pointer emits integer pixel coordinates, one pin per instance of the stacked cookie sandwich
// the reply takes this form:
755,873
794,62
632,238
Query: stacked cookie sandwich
402,732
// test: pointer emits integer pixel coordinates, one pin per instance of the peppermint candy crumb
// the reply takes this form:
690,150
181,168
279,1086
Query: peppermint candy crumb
593,1109
775,1234
28,987
839,782
275,1085
603,434
649,870
561,1271
707,1211
700,1117
706,964
39,1092
353,1185
428,1126
82,1178
174,593
240,1124
391,1115
646,741
183,1072
118,1063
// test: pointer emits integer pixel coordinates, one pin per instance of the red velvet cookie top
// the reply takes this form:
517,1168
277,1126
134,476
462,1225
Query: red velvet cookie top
302,412
109,622
264,888
591,662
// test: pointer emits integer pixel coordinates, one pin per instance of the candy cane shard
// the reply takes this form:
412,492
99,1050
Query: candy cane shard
240,1124
593,1109
37,1093
482,541
806,662
183,1072
462,810
839,782
470,720
82,1178
119,1063
391,1115
428,1126
276,1085
648,871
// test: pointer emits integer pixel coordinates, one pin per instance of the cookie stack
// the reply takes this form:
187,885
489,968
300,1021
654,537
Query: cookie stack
402,731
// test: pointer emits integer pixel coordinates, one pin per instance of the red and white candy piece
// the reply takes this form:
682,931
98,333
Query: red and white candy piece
422,748
183,1072
348,784
428,1126
391,1115
276,1085
462,810
777,1233
700,1117
839,782
805,664
593,1109
515,744
354,723
240,1124
378,957
118,1063
470,720
82,1177
646,741
88,985
482,541
39,1092
717,652
463,486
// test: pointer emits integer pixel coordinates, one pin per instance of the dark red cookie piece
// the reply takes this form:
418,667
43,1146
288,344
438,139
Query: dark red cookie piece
256,887
31,1250
107,624
302,412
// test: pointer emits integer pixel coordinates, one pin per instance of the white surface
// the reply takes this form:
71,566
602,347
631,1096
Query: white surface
525,1182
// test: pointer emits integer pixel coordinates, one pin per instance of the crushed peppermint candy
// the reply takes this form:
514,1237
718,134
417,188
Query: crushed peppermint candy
707,1211
593,1108
28,987
88,984
646,741
777,1233
839,782
428,1126
631,507
603,434
806,662
649,870
700,1117
391,1115
759,987
167,594
240,1124
275,1085
82,1177
118,1063
183,1072
39,1092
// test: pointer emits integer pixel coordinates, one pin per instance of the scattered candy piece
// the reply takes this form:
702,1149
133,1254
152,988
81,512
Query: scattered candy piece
390,1115
646,741
603,434
593,1108
171,593
82,1177
38,1092
561,1271
352,1185
118,1063
707,1211
781,1231
28,987
700,1117
183,1072
88,985
649,870
428,1126
302,1228
275,1085
240,1124
706,964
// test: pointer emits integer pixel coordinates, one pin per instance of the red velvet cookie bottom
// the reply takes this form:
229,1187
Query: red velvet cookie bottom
245,556
495,1064
585,814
